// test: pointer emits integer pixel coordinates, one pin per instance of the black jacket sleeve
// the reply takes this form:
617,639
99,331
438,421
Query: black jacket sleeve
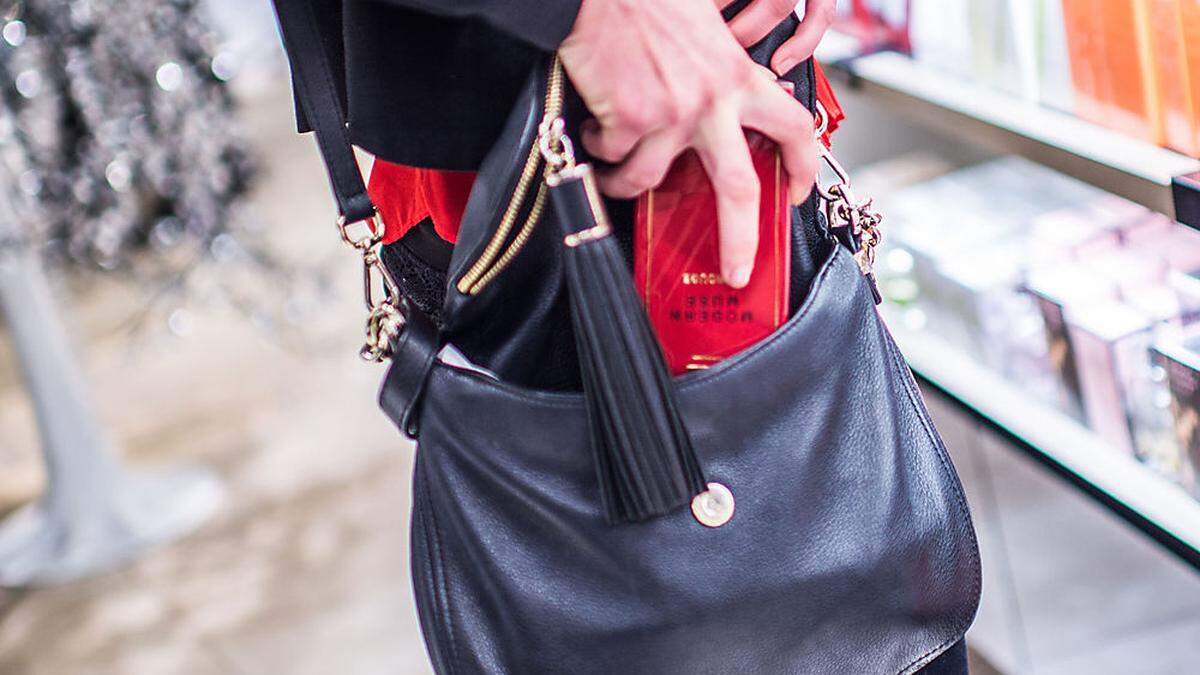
541,23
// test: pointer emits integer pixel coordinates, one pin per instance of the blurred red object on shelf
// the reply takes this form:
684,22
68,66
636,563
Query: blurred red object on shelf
877,24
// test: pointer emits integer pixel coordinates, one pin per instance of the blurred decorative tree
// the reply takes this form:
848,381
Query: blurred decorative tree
117,126
116,132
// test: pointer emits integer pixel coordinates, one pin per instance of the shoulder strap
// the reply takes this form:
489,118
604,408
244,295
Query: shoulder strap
413,343
317,93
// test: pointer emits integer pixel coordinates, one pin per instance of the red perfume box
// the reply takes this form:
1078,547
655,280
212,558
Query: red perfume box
699,319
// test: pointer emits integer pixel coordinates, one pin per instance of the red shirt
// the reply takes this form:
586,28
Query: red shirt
405,196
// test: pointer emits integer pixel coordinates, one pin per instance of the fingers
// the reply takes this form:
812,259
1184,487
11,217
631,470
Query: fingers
759,18
610,144
726,157
644,168
818,17
776,114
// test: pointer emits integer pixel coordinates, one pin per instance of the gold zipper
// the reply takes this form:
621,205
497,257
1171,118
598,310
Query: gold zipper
492,262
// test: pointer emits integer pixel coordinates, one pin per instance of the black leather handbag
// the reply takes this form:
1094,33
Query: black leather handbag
828,532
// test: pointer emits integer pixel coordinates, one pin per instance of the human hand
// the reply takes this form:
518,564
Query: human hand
664,76
760,17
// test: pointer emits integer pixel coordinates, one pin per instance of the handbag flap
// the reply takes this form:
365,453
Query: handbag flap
518,325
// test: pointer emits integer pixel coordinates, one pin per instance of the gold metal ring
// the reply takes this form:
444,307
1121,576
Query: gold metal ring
373,236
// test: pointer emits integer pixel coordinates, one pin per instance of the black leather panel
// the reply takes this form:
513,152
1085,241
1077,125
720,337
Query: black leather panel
413,355
518,324
850,550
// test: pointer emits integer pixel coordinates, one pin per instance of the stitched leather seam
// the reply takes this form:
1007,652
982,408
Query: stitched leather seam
439,576
940,449
574,400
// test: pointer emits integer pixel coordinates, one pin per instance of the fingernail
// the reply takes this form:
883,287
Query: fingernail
740,276
785,66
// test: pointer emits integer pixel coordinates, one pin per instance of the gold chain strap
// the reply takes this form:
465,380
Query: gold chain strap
843,209
385,318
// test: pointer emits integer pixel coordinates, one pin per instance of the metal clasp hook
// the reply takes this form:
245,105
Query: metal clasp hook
555,145
844,210
385,319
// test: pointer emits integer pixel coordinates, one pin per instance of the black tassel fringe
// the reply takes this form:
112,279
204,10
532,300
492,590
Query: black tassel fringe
644,457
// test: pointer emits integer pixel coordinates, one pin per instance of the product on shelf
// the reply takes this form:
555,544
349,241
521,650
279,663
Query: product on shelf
977,300
1086,49
1084,230
1054,290
1190,13
1115,65
1178,358
1185,284
998,42
1131,271
994,53
1058,286
1169,61
1155,229
1111,342
1126,269
1129,65
1023,17
1175,246
1112,65
877,24
969,239
1178,249
1052,57
940,33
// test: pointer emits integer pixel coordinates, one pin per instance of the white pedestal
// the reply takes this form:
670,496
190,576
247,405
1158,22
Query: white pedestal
95,513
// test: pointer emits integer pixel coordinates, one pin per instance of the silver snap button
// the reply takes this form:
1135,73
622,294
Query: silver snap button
714,506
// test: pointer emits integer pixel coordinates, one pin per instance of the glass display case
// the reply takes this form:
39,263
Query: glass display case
1054,297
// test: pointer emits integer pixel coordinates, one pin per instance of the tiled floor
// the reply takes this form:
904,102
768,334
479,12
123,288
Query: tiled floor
1068,587
305,571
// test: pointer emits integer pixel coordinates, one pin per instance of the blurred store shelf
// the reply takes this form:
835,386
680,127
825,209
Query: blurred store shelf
1147,500
1134,169
978,115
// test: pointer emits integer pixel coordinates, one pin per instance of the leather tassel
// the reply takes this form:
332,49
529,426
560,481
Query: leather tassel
644,458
